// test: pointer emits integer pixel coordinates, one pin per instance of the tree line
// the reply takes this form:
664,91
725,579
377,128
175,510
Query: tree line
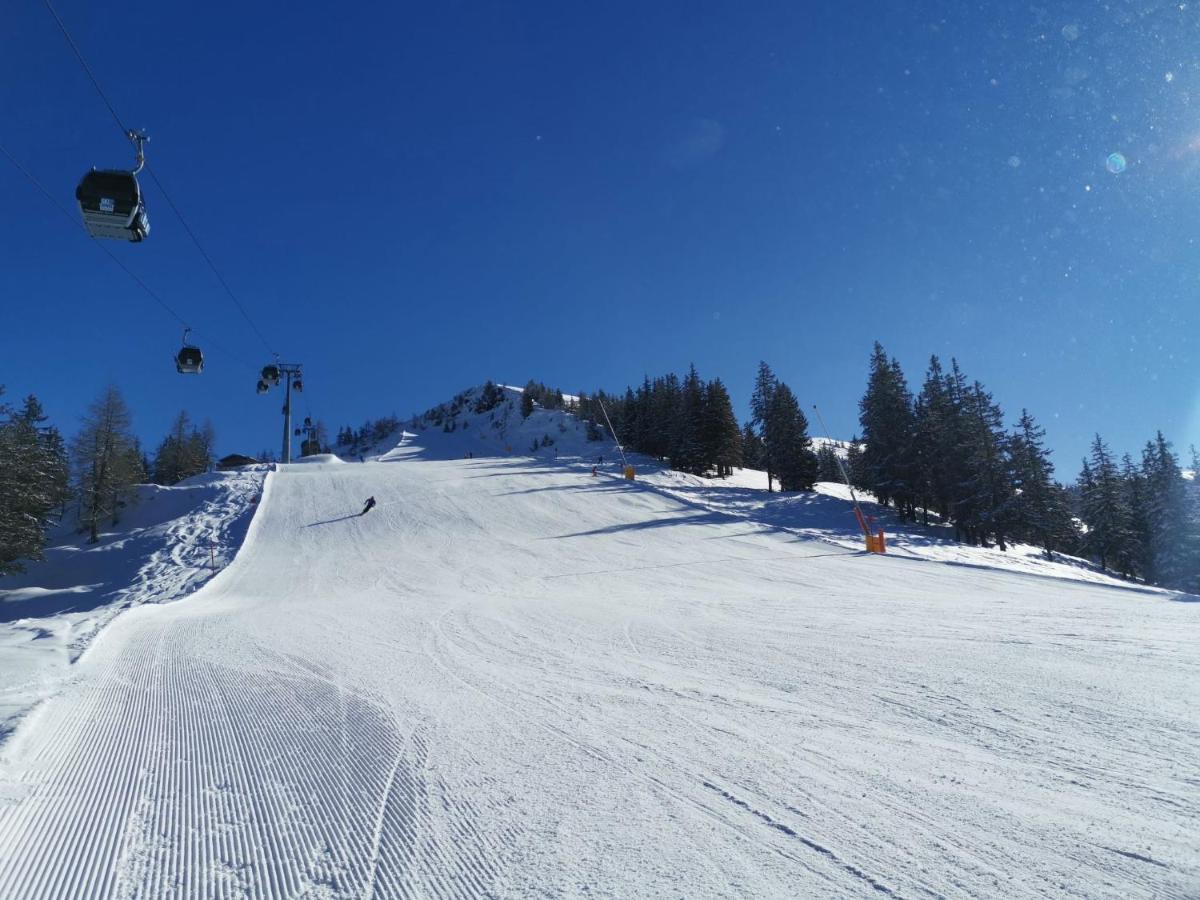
946,453
943,454
690,423
43,477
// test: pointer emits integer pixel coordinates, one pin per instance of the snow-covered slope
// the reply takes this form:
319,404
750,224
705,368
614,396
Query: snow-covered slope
453,429
169,541
514,678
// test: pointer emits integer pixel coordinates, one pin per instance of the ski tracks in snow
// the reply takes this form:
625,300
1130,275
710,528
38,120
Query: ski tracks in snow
438,700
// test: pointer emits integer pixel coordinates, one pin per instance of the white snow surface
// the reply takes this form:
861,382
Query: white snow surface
169,541
514,678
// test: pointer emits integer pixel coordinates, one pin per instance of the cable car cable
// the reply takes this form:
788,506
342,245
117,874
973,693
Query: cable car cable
127,133
221,278
86,68
116,259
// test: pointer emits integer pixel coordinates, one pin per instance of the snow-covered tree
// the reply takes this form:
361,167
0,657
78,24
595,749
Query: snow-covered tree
33,482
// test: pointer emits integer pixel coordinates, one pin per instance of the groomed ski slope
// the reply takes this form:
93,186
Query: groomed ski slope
514,679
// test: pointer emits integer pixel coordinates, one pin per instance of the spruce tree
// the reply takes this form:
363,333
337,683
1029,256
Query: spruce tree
1034,517
688,445
886,416
1104,509
787,442
184,452
985,498
1133,556
827,464
934,433
854,464
761,404
33,482
752,449
1171,528
721,436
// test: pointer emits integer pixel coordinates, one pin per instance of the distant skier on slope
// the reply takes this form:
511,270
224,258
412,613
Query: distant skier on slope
368,507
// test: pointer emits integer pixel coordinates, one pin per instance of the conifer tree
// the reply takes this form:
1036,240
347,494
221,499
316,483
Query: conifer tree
721,436
1033,519
934,431
827,464
1104,508
1133,557
527,402
787,442
761,404
33,482
885,413
688,449
185,451
1171,528
752,449
629,431
106,460
985,500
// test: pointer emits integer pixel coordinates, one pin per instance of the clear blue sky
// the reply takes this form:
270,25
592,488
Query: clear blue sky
412,198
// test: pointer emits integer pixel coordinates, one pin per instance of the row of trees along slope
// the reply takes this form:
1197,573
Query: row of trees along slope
946,453
43,478
691,423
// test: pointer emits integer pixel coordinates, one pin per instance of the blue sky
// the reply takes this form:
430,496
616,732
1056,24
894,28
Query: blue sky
410,199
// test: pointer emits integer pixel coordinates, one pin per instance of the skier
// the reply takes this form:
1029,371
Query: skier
367,508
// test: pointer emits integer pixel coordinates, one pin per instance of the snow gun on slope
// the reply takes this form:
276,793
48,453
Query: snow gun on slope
876,543
627,469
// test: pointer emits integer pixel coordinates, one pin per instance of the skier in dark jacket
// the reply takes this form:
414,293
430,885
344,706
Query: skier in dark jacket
367,508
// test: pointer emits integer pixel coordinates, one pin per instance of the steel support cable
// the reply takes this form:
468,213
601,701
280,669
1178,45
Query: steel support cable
116,259
86,68
126,132
208,260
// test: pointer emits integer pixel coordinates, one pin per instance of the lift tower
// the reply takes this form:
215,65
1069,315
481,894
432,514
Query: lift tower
292,375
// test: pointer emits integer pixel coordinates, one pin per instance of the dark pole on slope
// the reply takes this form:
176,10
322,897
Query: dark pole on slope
287,422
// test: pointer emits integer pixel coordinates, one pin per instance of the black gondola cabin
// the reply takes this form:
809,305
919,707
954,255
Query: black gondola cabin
189,361
112,207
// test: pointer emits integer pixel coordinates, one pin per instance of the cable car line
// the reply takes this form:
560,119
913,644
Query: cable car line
137,137
123,215
116,259
86,68
208,259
